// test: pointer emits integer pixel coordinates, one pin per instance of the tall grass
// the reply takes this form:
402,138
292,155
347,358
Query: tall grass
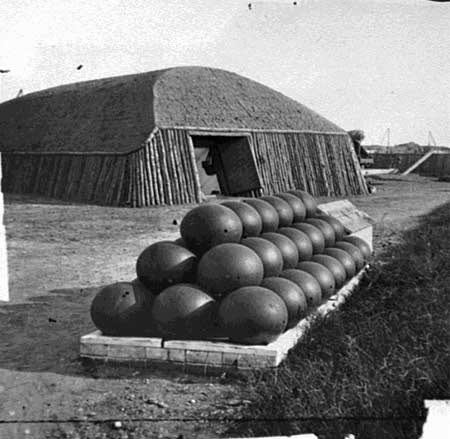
367,369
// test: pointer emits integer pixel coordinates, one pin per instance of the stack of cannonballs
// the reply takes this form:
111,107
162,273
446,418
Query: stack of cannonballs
245,271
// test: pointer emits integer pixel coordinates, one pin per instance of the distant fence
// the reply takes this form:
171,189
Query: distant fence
437,165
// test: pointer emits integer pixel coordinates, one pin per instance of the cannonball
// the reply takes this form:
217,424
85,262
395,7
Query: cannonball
296,204
181,242
314,234
165,263
208,225
361,244
267,212
338,227
344,258
227,267
184,311
335,266
253,315
353,251
122,309
269,254
286,246
308,200
308,284
284,210
322,274
325,228
293,297
301,240
249,216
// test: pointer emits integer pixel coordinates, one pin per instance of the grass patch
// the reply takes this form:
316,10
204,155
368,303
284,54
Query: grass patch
367,369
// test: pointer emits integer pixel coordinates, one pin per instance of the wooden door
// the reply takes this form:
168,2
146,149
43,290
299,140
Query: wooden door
238,165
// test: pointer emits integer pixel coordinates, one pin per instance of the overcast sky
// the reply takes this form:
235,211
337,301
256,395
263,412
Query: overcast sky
366,64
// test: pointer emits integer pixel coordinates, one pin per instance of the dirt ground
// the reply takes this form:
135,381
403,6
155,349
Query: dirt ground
59,255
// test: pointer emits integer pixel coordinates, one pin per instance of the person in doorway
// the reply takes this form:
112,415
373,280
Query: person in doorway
357,137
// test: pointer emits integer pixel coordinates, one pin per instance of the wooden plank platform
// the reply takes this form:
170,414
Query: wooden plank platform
372,171
355,221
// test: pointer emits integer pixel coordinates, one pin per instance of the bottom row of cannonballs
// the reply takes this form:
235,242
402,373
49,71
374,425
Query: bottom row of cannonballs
247,315
251,315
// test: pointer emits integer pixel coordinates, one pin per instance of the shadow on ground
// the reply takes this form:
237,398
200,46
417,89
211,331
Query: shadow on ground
42,335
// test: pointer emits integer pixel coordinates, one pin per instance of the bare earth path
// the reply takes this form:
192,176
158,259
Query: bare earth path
58,256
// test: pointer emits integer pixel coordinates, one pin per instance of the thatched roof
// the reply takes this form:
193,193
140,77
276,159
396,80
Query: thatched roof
113,114
207,97
118,114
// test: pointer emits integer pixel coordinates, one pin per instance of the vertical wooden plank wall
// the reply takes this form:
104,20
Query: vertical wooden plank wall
438,165
322,164
85,178
170,168
163,170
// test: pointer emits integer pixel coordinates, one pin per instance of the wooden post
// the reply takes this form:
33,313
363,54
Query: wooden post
198,191
4,291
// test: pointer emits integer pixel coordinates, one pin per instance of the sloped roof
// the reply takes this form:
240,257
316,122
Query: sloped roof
118,114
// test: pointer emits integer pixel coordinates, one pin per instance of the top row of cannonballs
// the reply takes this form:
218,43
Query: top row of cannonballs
209,225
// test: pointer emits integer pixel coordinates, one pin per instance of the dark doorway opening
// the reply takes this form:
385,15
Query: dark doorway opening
226,164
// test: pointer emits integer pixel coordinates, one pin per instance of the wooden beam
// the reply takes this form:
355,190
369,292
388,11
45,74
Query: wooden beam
219,133
418,163
250,130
